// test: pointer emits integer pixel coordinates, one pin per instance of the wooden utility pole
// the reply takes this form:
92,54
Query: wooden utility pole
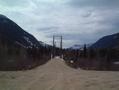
61,48
53,51
61,43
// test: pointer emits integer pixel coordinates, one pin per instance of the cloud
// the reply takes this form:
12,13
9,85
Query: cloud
13,3
95,3
79,21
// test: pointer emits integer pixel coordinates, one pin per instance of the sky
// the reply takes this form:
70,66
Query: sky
78,21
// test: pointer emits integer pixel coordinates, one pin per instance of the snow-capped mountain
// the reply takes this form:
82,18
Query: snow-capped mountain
14,34
75,47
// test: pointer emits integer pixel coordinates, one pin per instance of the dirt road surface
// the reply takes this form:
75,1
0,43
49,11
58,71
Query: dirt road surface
56,75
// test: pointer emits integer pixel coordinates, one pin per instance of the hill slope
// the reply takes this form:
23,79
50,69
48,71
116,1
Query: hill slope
14,34
110,41
18,49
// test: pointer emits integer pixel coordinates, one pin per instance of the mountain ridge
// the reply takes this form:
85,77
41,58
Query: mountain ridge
13,33
109,41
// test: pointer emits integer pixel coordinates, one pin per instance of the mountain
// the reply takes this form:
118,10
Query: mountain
20,50
14,34
75,47
110,41
45,45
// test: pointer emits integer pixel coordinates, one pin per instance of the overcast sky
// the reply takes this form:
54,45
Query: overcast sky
79,21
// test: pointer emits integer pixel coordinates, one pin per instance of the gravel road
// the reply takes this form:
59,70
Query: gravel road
56,75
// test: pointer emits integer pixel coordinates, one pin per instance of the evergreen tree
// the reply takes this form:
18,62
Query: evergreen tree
85,51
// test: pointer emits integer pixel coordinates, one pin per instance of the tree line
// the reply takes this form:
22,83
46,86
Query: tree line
93,59
15,57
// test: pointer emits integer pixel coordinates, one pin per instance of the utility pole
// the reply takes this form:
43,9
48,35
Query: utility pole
61,48
61,43
53,51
